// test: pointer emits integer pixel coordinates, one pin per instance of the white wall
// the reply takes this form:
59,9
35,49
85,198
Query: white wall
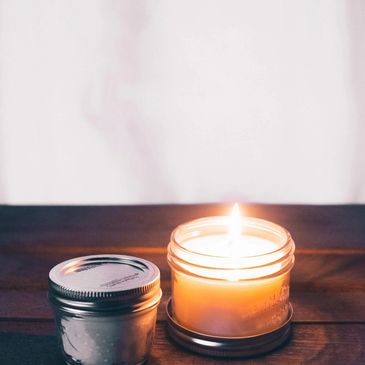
110,101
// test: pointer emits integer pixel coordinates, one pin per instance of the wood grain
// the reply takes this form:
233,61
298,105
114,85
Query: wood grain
327,284
310,344
324,287
315,227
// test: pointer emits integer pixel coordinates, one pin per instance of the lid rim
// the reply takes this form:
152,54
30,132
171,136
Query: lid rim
135,289
89,308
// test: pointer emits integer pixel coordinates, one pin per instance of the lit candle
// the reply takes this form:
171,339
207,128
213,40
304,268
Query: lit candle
230,275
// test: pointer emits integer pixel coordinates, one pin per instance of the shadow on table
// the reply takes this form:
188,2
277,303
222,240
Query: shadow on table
25,349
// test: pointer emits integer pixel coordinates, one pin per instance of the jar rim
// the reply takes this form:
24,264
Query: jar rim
246,220
231,267
104,282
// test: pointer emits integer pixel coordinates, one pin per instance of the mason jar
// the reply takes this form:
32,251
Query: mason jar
228,292
105,308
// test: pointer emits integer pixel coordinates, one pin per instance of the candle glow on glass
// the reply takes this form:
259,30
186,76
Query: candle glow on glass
236,265
228,251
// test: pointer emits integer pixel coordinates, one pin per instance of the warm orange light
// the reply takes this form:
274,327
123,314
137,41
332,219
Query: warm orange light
235,223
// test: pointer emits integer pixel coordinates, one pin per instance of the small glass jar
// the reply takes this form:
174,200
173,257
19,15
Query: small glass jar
226,292
105,308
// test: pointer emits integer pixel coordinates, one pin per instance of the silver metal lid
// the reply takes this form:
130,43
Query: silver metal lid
233,347
104,282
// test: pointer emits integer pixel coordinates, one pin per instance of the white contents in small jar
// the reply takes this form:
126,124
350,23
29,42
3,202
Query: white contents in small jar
105,308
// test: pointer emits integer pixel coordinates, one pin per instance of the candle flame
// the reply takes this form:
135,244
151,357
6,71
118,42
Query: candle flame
235,223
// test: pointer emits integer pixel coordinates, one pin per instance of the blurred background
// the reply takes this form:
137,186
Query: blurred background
135,101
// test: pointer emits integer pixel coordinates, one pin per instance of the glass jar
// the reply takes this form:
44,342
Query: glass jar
229,288
105,308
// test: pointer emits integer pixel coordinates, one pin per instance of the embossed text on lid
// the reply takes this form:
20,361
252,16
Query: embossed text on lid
103,276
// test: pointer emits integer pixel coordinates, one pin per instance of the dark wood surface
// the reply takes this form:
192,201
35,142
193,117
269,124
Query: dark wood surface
327,285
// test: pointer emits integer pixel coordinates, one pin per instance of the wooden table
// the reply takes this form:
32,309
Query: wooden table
327,287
